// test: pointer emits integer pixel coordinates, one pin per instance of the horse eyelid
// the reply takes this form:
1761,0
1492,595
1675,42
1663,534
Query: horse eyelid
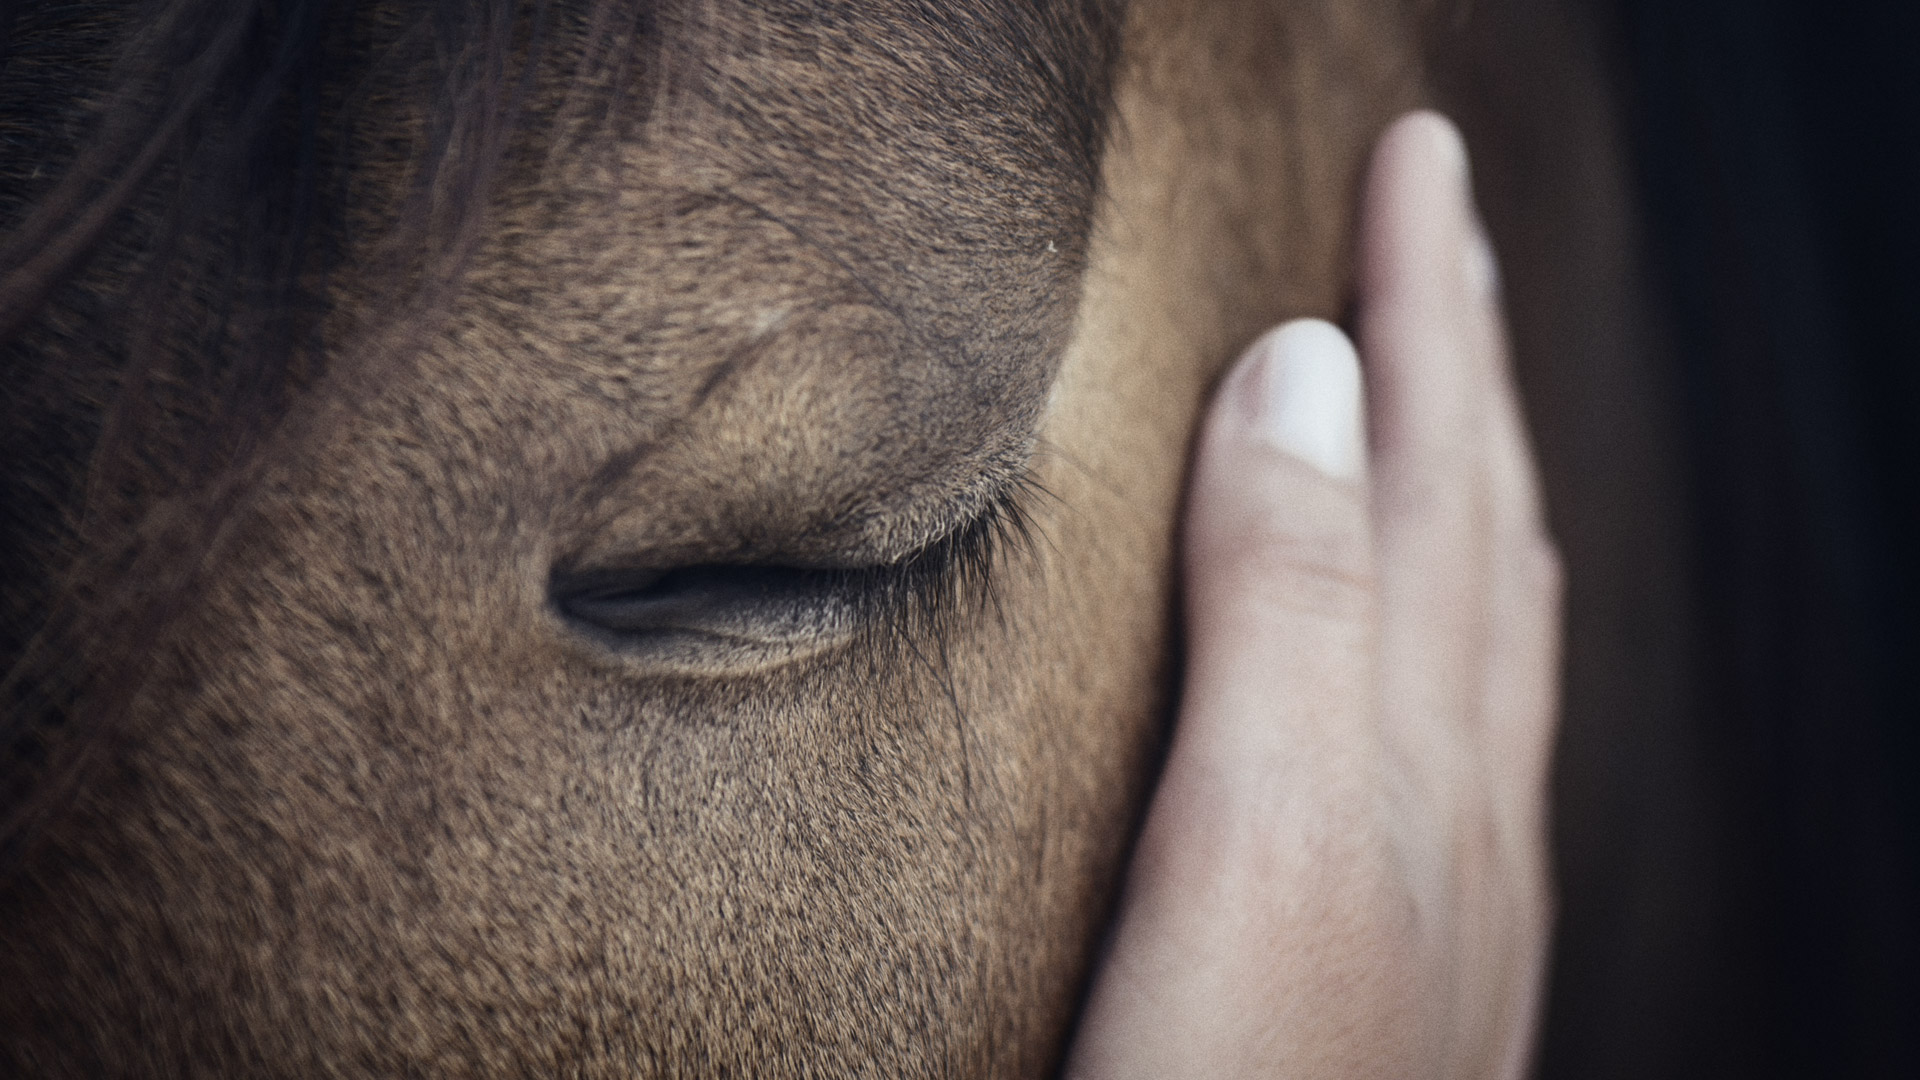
921,597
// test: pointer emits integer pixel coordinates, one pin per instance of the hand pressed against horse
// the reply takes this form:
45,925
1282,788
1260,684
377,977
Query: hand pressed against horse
1343,873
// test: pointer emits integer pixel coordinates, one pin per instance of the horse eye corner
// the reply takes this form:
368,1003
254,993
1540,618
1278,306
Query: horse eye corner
604,599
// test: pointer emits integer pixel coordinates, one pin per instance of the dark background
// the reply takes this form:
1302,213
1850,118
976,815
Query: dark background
1777,149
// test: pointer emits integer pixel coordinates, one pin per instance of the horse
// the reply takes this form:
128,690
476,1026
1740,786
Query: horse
596,537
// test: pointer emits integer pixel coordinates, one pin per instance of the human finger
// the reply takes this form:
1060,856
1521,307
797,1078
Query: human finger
1426,342
1464,543
1279,572
1242,946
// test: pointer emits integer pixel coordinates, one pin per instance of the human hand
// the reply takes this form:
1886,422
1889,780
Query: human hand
1343,870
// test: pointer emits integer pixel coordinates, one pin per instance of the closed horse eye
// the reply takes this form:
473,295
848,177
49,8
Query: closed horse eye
648,610
721,614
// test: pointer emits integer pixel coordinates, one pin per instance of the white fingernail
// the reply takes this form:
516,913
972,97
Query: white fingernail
1307,396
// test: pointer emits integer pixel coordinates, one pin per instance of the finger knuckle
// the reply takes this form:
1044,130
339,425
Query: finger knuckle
1313,576
1309,549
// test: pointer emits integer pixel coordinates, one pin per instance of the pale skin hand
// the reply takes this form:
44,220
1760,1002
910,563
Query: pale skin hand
1343,872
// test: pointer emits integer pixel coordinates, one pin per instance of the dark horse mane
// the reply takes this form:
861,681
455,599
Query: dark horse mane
172,192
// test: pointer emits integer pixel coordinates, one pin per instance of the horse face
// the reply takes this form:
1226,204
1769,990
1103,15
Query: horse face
634,668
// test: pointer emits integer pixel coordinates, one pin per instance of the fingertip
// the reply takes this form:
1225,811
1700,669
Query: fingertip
1431,136
1298,389
1418,211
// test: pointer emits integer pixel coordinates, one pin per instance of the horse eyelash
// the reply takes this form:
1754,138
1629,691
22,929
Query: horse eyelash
927,593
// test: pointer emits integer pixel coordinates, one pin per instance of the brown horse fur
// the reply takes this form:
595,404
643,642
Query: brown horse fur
882,324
